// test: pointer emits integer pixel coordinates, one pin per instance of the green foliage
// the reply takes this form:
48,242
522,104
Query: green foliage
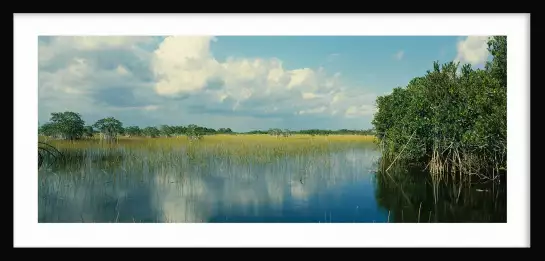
88,131
497,46
48,129
275,132
195,132
133,131
110,127
67,125
314,132
448,111
151,132
167,130
225,130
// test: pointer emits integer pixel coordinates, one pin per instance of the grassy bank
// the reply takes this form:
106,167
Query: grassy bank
223,139
173,150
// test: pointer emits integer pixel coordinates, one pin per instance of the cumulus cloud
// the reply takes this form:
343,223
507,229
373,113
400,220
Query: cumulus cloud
473,50
184,65
161,80
95,76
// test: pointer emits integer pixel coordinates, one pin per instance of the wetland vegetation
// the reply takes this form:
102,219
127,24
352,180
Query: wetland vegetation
437,153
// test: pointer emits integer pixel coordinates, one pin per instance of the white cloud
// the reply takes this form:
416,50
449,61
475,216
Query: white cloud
121,70
363,110
101,42
308,95
95,76
472,50
103,76
184,65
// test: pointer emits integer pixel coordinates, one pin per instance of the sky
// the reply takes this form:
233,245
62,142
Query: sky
240,82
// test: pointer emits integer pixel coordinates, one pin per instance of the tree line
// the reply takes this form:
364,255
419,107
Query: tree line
451,120
313,132
70,126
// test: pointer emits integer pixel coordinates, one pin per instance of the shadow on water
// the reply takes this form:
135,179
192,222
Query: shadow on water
411,197
136,186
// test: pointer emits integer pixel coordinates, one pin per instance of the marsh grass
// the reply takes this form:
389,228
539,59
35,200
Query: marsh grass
146,179
101,182
239,149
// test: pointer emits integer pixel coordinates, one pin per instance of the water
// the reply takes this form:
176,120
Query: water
336,187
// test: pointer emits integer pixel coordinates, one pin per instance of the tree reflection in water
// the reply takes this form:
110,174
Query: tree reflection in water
410,197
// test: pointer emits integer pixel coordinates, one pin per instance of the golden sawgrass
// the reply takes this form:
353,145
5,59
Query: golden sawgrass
242,148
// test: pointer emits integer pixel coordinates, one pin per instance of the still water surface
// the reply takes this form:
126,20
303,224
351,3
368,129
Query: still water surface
338,187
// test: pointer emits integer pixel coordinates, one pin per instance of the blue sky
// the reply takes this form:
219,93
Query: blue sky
241,82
